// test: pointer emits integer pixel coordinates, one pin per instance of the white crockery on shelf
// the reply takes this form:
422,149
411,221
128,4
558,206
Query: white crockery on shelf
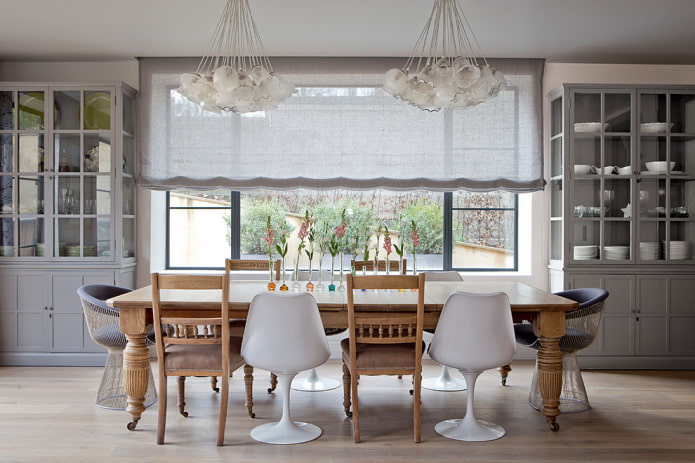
660,166
655,127
587,127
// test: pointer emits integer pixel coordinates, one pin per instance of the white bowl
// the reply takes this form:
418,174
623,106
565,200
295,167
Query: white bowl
660,166
581,169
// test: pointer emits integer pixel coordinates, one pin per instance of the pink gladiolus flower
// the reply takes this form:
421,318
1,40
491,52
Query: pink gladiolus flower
340,230
387,244
303,230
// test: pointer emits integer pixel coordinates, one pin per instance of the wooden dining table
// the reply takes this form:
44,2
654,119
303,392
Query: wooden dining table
545,310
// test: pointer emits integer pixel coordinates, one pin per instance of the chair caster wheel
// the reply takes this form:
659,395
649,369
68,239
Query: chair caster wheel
270,390
184,414
131,426
554,426
348,414
252,414
504,381
411,392
216,389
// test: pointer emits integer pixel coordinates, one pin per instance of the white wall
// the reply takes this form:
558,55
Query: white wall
77,71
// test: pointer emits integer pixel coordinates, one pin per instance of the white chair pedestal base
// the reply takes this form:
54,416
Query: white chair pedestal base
294,432
313,383
469,428
285,431
472,431
444,382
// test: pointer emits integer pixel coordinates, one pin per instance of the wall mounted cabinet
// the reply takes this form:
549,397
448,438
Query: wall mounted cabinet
67,211
622,216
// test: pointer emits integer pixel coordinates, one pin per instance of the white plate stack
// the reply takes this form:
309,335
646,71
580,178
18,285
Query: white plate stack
678,250
616,252
585,252
649,250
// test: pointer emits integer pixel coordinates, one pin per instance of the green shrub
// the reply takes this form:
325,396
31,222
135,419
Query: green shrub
427,216
254,218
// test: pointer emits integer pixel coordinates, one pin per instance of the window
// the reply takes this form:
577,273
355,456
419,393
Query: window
456,231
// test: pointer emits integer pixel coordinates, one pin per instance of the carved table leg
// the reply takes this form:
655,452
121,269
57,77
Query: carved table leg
504,372
552,327
248,385
136,371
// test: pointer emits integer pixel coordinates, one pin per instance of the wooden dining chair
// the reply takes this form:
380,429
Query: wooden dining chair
237,325
394,265
252,264
383,344
194,342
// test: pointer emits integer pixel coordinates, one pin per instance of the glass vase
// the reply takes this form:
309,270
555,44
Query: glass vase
331,287
341,287
319,286
283,286
271,280
296,285
309,284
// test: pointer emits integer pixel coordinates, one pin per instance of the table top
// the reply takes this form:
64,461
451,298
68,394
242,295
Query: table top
522,297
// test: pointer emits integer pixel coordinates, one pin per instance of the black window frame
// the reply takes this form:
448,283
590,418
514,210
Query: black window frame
447,246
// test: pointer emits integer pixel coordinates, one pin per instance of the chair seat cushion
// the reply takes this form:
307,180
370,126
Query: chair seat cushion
574,339
109,336
381,356
182,357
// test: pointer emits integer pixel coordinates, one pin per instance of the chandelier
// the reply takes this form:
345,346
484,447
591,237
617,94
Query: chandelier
236,74
443,71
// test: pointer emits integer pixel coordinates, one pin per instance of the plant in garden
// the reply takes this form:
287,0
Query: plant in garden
427,218
254,217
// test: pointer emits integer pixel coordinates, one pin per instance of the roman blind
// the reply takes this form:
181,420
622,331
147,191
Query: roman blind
341,130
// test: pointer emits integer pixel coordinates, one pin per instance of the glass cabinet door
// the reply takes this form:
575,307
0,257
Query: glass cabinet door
67,171
602,174
667,168
128,176
22,178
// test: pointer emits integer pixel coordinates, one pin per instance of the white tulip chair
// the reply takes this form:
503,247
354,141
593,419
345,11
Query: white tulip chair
474,333
284,334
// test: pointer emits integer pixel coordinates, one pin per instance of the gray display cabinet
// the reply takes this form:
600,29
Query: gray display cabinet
67,213
622,207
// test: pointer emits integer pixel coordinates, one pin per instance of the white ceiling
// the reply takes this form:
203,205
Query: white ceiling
597,31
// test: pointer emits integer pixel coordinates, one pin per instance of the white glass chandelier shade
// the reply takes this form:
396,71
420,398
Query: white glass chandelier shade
236,74
443,70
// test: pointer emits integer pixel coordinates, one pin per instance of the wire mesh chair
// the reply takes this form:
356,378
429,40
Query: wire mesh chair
580,330
103,325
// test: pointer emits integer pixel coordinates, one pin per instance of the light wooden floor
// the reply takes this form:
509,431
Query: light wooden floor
638,416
